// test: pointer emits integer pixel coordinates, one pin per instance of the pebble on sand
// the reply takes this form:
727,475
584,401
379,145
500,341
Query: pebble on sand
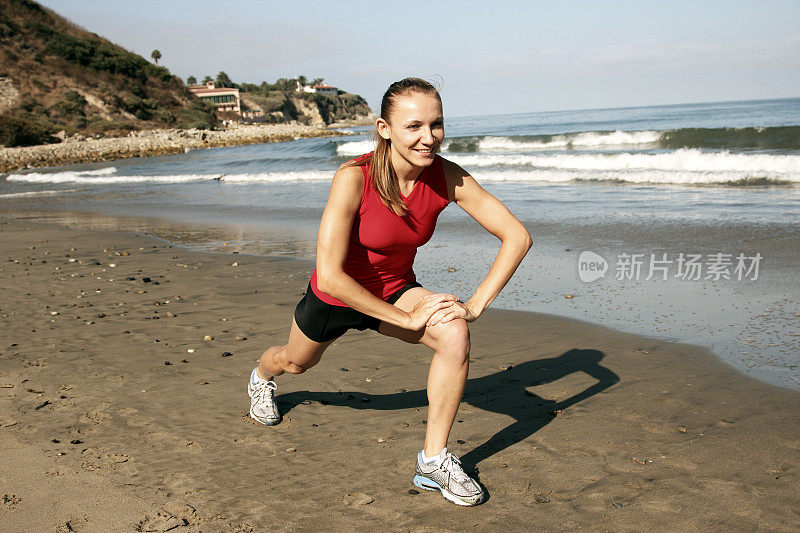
208,338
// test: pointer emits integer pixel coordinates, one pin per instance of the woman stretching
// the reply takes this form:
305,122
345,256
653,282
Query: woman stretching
382,207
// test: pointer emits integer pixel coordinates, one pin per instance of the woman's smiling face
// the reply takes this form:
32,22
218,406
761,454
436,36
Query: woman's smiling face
415,129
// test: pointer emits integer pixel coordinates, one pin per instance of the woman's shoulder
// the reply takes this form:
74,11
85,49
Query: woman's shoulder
448,166
453,172
349,175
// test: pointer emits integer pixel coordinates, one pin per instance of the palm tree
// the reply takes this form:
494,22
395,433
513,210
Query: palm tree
156,55
223,80
191,80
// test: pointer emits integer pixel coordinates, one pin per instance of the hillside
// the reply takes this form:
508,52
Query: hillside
57,76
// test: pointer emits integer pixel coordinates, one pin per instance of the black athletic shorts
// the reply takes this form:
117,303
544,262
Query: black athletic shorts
322,322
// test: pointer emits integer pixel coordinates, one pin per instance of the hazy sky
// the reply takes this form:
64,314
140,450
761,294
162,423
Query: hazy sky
493,56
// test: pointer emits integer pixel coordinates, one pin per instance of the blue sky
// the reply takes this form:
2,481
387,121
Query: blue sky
490,56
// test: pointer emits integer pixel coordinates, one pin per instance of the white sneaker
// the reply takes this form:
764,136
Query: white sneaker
262,400
446,475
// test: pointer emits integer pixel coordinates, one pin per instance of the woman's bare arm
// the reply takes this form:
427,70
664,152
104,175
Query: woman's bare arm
495,217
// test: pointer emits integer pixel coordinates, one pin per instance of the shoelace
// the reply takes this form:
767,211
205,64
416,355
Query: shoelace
452,464
262,392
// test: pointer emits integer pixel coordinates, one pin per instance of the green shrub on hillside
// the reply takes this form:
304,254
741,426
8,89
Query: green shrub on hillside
7,28
15,131
98,55
141,108
72,104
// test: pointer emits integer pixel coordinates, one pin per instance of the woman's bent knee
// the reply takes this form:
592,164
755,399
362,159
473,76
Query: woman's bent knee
453,337
292,368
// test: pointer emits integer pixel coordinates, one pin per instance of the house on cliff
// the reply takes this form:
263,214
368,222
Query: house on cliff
330,90
223,98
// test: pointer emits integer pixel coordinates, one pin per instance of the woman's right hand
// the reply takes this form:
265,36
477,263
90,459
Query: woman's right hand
425,308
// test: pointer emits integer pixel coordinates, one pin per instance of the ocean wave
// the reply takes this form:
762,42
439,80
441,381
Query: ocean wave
642,177
48,192
762,138
751,138
101,179
525,143
354,148
73,177
692,160
307,175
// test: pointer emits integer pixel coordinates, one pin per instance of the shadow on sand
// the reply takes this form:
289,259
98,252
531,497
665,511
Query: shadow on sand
503,392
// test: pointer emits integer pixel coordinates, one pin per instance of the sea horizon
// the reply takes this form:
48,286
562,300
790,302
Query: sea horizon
603,108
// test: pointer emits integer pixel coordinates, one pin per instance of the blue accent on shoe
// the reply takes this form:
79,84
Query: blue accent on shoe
426,483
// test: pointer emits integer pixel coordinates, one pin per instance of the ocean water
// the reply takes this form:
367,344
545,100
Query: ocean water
643,188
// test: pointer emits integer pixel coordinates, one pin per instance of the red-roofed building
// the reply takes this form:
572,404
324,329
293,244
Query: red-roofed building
223,98
326,89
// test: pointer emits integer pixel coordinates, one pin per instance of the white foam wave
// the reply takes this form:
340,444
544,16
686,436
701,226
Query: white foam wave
664,177
308,175
65,176
100,179
509,144
691,160
73,177
107,171
585,139
353,148
48,192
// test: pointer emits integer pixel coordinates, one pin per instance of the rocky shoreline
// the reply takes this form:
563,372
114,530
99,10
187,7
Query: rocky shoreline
150,143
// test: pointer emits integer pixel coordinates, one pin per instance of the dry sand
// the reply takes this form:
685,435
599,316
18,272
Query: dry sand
109,423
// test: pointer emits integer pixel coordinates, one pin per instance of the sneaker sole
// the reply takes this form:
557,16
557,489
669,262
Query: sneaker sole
428,484
267,423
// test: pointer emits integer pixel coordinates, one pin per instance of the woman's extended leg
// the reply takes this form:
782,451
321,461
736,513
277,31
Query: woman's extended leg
448,372
294,357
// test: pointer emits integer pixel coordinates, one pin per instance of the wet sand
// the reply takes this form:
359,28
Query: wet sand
109,422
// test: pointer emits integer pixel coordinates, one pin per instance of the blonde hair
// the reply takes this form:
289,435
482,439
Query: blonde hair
384,178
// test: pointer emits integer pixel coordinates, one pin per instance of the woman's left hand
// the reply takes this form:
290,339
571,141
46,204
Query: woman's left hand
456,310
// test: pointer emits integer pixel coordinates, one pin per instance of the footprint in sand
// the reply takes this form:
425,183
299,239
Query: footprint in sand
171,517
10,501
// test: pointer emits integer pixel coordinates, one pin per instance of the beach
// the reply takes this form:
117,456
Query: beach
117,415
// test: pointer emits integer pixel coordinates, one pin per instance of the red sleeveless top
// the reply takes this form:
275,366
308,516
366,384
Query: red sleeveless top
382,244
